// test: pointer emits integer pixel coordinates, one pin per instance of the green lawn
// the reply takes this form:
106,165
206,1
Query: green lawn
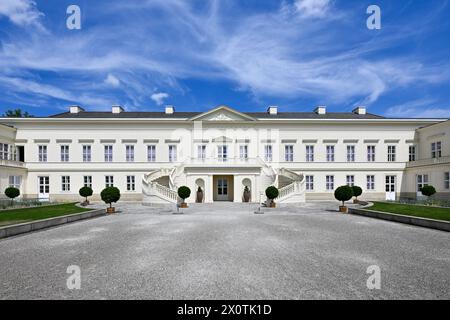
15,216
412,210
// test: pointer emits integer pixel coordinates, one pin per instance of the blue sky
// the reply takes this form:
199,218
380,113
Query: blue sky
247,54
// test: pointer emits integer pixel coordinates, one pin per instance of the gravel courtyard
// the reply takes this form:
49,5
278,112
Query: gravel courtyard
225,251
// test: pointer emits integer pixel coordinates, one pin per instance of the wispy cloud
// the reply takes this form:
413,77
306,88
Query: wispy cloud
112,81
159,97
422,108
312,8
21,12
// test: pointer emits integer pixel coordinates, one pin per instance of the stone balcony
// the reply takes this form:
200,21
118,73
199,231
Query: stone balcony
12,163
428,162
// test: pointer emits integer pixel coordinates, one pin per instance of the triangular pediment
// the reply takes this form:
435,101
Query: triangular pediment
222,113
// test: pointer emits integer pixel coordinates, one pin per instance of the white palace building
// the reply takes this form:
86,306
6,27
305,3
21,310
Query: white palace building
148,155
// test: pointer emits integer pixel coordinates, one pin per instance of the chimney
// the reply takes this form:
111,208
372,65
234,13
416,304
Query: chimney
75,109
117,109
272,110
321,110
169,109
359,110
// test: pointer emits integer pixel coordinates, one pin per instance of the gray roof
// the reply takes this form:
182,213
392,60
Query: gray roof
187,115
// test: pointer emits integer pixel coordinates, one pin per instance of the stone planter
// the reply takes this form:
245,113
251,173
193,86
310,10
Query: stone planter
343,209
273,204
110,210
355,201
183,205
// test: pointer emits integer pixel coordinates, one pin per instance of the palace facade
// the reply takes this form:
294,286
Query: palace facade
148,155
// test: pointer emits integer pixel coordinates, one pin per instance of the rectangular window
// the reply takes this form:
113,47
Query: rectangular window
42,153
131,183
412,153
65,153
151,153
15,181
422,181
243,152
350,180
371,182
330,153
44,185
436,149
172,153
309,183
370,153
309,153
201,152
87,153
391,153
65,183
129,153
329,183
108,153
447,180
222,153
109,181
87,181
350,153
268,153
289,153
4,151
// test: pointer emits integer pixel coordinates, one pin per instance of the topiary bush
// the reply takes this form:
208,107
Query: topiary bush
343,193
357,191
12,193
428,191
272,192
86,192
184,192
110,195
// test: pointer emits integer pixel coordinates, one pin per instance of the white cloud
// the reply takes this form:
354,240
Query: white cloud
21,12
159,97
312,8
422,108
112,81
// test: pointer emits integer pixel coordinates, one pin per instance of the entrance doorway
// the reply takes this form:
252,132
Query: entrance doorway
223,188
390,188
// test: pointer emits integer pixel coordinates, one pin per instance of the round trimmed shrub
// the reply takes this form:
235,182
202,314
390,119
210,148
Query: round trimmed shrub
184,192
428,191
357,191
86,192
272,192
343,193
110,195
12,192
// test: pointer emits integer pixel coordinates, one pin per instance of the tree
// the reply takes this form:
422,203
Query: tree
17,113
343,193
357,191
12,193
110,195
272,193
86,192
428,191
184,192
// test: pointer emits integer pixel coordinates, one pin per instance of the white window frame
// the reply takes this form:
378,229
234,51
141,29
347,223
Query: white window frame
64,152
172,153
131,183
436,149
412,153
201,152
351,150
370,182
330,153
87,153
289,153
129,153
422,180
329,182
447,180
392,153
109,181
371,152
65,183
350,180
268,153
309,153
4,151
87,181
109,152
151,153
222,153
309,184
15,181
42,153
243,152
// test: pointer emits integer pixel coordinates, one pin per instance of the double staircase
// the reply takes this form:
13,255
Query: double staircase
160,186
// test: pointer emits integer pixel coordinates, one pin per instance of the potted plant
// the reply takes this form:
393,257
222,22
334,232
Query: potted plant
184,193
199,198
12,193
271,194
85,192
428,191
343,193
110,195
357,191
246,194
